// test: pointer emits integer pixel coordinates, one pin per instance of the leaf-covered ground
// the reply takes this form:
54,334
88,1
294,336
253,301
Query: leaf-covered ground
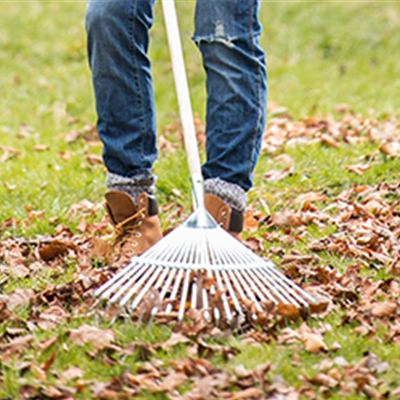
342,246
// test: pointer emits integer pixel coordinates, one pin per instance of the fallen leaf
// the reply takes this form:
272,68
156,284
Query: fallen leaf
358,169
249,393
71,136
384,308
40,147
176,338
54,249
391,149
98,338
276,175
313,342
72,373
288,311
310,197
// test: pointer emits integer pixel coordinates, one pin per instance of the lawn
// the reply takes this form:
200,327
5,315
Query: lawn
324,209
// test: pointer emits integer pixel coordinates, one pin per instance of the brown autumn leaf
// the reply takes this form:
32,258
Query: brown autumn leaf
276,175
64,155
19,297
28,392
71,136
313,342
310,197
250,224
286,218
18,343
329,140
48,363
99,338
94,158
72,373
9,186
384,308
391,149
52,316
170,382
358,169
40,147
50,251
38,372
249,393
284,159
8,153
320,379
46,344
176,338
288,311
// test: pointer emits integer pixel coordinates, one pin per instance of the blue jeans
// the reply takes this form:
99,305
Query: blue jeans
227,34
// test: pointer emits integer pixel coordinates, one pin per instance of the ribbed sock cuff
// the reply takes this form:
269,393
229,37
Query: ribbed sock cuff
132,186
233,195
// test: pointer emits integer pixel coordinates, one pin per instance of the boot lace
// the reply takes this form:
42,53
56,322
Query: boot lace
124,231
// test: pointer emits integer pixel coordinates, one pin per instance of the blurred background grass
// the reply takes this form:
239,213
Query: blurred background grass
319,54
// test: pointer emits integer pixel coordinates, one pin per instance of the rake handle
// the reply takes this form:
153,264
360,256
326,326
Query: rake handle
185,109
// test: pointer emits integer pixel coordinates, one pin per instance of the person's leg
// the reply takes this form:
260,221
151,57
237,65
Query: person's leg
227,34
117,41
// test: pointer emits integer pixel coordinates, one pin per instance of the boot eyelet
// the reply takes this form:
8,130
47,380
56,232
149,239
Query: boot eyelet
140,223
135,243
138,234
223,214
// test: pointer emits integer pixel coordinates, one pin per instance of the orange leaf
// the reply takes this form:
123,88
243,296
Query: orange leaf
310,197
288,311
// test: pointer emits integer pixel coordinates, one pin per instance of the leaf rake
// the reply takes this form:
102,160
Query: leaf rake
199,265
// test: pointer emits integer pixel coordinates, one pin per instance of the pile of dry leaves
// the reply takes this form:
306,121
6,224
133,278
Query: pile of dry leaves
365,222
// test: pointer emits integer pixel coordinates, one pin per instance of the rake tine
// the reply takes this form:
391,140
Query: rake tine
293,286
250,293
184,295
135,271
115,278
231,292
174,292
205,304
167,283
193,300
161,278
284,296
236,284
144,290
253,285
223,296
142,274
265,276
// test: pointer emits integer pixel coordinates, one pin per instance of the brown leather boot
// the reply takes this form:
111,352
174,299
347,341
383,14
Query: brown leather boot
228,218
136,228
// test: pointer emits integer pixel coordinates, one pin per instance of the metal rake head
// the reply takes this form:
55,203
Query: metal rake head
199,265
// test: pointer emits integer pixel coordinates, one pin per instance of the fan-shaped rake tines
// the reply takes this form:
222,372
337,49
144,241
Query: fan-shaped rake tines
201,266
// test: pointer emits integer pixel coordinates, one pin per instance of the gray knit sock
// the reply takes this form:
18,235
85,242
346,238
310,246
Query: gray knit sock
132,186
233,195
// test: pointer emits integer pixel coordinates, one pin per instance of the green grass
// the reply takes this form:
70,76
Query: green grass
319,54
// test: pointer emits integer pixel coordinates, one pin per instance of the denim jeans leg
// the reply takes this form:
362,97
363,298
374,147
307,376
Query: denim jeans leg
117,42
227,34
